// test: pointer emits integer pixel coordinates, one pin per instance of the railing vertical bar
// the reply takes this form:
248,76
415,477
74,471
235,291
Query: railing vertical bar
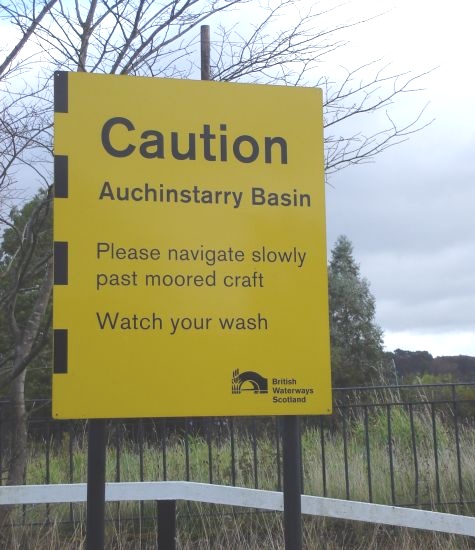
210,450
117,433
141,450
163,424
187,451
391,456
324,465
48,466
233,452
345,455
414,454
166,510
457,444
254,452
278,454
117,441
71,464
156,439
141,469
436,451
368,454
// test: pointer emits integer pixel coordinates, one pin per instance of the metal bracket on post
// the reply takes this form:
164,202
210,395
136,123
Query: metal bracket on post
292,483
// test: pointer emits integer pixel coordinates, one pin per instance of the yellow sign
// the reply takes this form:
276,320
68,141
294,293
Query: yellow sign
190,254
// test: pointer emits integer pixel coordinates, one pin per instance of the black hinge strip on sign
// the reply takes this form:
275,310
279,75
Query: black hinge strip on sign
61,177
61,92
60,351
60,251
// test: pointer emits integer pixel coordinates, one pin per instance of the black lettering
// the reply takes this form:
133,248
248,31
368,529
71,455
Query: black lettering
223,141
190,153
269,142
237,149
106,135
258,196
157,145
107,320
154,148
207,137
106,192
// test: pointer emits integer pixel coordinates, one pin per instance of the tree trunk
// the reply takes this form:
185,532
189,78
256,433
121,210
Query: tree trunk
26,340
18,448
23,349
18,430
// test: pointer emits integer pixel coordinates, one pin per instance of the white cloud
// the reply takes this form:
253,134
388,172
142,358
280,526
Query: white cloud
410,215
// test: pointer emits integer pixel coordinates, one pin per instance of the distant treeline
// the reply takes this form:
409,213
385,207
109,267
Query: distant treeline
412,364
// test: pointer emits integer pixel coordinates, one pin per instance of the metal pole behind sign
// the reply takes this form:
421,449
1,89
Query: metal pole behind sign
292,483
166,521
205,53
96,484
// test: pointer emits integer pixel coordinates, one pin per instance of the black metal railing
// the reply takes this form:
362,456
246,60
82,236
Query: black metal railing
399,445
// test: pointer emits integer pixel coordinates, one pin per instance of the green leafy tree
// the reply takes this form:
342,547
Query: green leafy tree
356,340
25,314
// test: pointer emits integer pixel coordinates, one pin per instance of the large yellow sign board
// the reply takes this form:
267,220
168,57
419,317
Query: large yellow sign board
190,263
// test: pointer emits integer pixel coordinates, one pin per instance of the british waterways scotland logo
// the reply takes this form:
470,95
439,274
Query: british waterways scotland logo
283,390
248,381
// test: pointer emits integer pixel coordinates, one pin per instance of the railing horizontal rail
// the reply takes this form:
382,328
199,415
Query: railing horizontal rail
247,498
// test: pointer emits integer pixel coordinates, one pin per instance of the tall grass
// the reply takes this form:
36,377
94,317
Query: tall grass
208,527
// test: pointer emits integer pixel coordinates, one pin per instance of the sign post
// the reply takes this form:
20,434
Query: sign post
292,483
96,484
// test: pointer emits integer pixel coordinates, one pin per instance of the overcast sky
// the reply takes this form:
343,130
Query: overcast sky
410,214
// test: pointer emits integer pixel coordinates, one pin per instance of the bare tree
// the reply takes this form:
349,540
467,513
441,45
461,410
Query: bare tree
132,37
296,54
26,19
25,143
25,265
287,45
25,111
